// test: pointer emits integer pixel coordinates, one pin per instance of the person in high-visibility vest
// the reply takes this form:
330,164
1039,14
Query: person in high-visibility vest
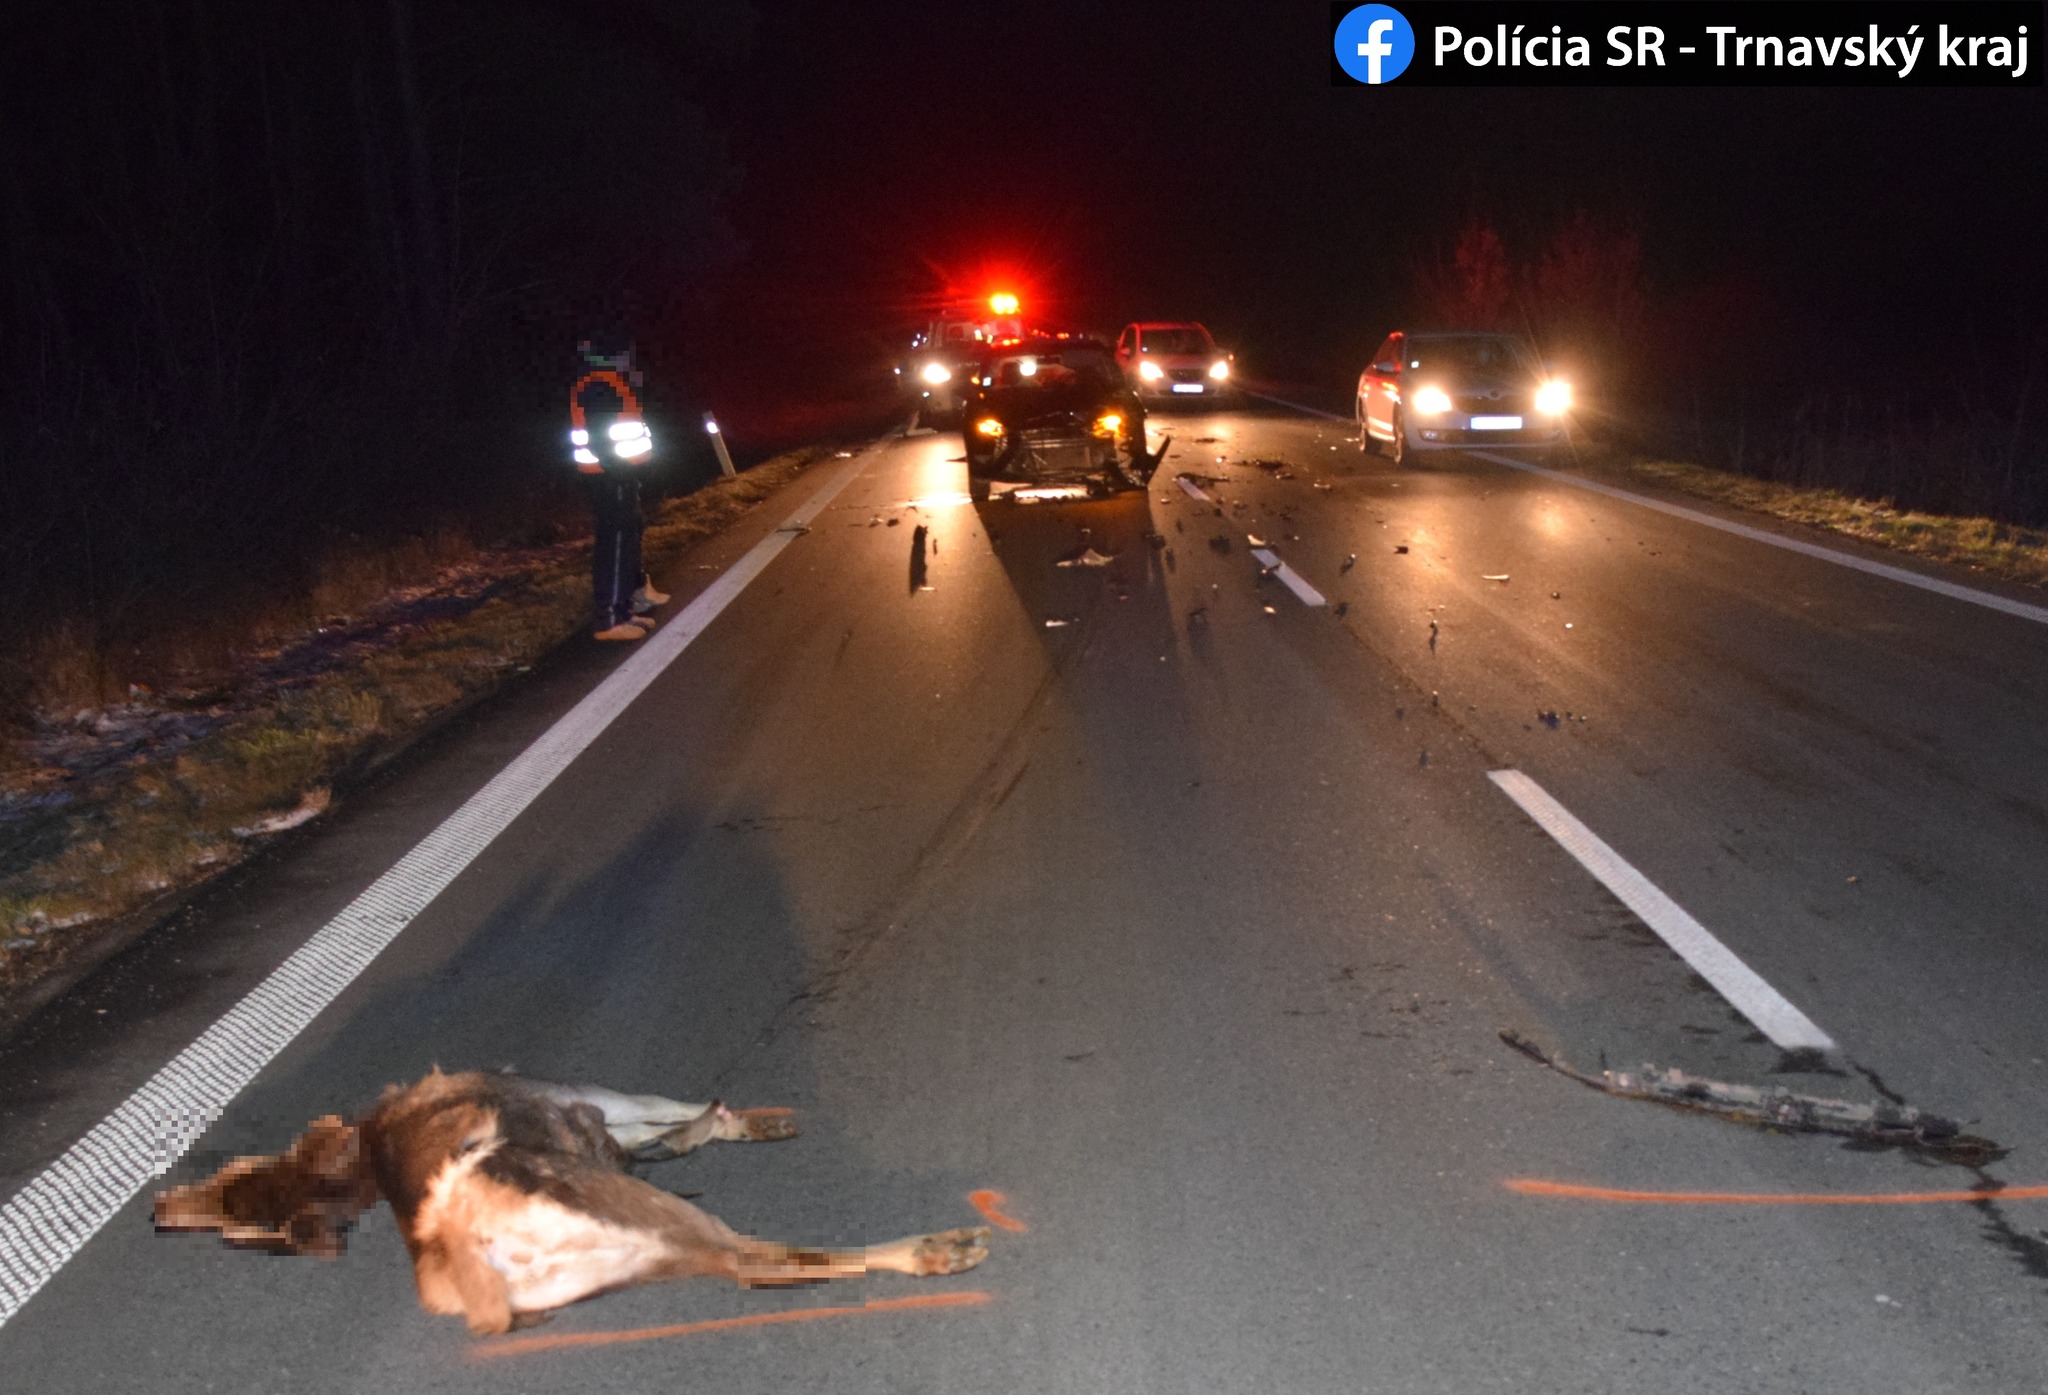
610,445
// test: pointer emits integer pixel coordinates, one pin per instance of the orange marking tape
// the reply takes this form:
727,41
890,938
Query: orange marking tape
766,1111
989,1204
522,1346
1531,1186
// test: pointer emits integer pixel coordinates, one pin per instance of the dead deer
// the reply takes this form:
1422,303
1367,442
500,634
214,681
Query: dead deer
514,1198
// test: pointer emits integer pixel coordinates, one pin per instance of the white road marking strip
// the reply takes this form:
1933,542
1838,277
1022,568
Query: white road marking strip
1303,592
1988,599
1193,490
1713,961
48,1221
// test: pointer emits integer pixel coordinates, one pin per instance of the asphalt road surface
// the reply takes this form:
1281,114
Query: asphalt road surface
1185,914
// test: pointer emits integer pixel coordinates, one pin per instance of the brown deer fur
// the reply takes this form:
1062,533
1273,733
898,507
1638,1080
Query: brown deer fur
514,1199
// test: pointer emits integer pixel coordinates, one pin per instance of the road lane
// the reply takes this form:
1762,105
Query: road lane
1161,923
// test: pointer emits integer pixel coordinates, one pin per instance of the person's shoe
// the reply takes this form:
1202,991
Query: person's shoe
622,631
647,598
645,622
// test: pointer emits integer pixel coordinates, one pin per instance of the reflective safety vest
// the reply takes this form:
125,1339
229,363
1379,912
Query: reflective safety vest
627,439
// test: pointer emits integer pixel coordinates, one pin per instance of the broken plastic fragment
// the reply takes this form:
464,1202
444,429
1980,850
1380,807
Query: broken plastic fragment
1771,1107
1350,561
311,806
1086,557
1502,577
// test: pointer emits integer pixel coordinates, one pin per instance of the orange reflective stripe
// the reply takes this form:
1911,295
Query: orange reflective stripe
614,380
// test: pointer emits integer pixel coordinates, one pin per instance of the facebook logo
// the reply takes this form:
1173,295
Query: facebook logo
1374,44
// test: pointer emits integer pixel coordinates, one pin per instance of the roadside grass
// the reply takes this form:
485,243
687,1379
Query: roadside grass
290,739
1996,549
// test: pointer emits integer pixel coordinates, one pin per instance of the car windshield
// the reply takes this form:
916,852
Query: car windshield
1050,370
1177,340
1470,353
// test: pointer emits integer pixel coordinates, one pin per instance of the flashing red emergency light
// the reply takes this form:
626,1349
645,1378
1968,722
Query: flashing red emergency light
1002,303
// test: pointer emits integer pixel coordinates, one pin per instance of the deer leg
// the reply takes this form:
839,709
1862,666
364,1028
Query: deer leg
639,1122
761,1264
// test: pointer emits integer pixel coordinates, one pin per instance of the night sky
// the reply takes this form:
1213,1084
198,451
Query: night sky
1165,161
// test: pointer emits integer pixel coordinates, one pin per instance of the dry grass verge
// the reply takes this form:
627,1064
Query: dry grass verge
108,814
1996,549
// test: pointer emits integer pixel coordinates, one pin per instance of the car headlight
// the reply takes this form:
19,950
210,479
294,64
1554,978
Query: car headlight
626,430
1150,371
1108,424
935,373
1554,398
989,426
1219,370
1430,401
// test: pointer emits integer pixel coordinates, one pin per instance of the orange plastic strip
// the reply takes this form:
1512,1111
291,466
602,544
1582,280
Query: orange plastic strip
523,1346
990,1206
1532,1186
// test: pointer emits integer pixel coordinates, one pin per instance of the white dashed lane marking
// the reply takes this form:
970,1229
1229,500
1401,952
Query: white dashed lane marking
48,1221
1288,577
1746,991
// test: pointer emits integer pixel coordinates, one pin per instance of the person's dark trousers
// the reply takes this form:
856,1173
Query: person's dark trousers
615,552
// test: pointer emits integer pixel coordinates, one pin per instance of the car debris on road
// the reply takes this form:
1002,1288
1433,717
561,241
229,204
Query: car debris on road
1898,1125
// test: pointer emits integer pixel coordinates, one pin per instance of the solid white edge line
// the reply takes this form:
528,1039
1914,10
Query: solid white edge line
1971,595
1746,991
51,1218
1289,577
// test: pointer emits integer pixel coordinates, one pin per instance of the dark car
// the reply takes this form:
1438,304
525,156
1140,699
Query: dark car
1444,390
1053,411
933,375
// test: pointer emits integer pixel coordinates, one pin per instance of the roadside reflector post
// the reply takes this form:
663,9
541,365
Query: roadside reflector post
718,444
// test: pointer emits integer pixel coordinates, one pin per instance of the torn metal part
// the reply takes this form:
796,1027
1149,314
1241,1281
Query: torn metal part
1768,1106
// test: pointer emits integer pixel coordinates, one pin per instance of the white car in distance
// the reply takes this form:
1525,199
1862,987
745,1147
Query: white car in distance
1174,359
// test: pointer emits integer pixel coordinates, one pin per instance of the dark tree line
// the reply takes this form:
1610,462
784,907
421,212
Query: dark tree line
273,273
1716,372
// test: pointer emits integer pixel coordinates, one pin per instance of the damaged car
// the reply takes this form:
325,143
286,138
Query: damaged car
1054,412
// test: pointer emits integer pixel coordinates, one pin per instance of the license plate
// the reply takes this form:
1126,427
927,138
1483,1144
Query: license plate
1187,387
1496,423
